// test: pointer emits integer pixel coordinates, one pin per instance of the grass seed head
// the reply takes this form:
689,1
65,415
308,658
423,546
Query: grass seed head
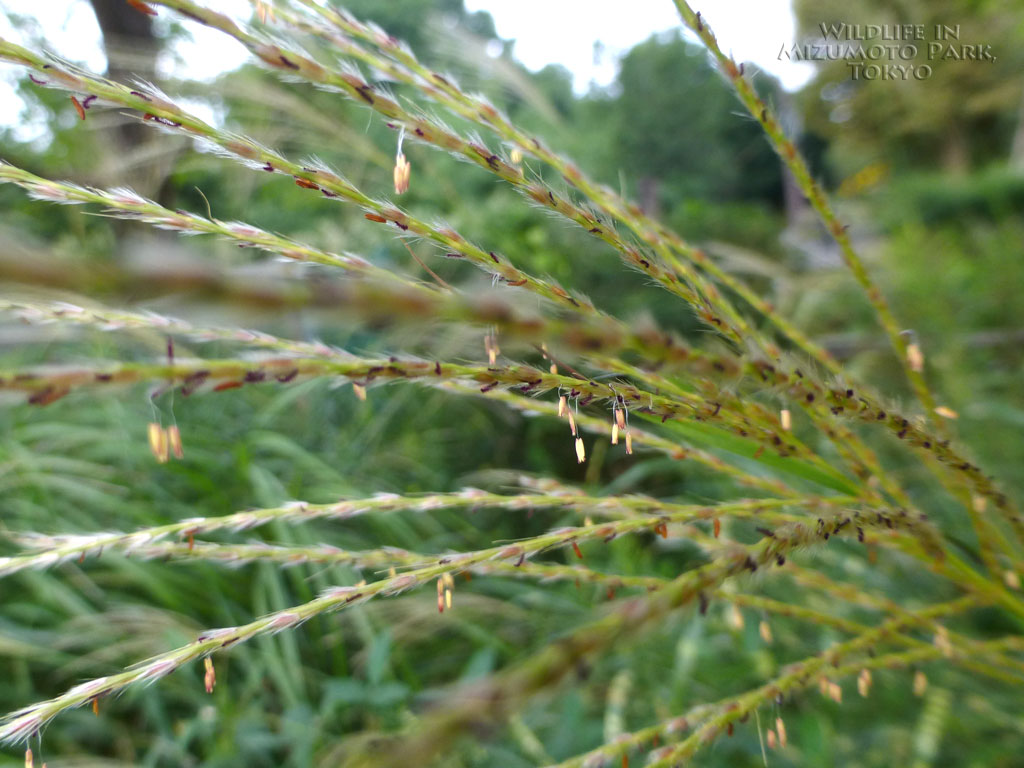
765,630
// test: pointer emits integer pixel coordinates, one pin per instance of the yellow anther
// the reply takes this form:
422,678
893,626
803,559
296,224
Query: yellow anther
864,682
210,679
920,683
915,357
174,441
158,443
402,173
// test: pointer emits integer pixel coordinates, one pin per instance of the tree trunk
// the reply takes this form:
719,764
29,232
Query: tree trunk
647,188
131,49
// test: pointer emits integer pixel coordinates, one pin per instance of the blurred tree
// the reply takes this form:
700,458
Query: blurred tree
409,20
963,114
666,132
676,124
128,41
131,47
676,129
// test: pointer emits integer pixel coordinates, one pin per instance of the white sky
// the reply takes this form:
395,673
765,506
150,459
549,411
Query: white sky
564,32
546,32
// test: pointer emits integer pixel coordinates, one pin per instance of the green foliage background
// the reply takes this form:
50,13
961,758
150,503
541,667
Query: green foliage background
945,245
